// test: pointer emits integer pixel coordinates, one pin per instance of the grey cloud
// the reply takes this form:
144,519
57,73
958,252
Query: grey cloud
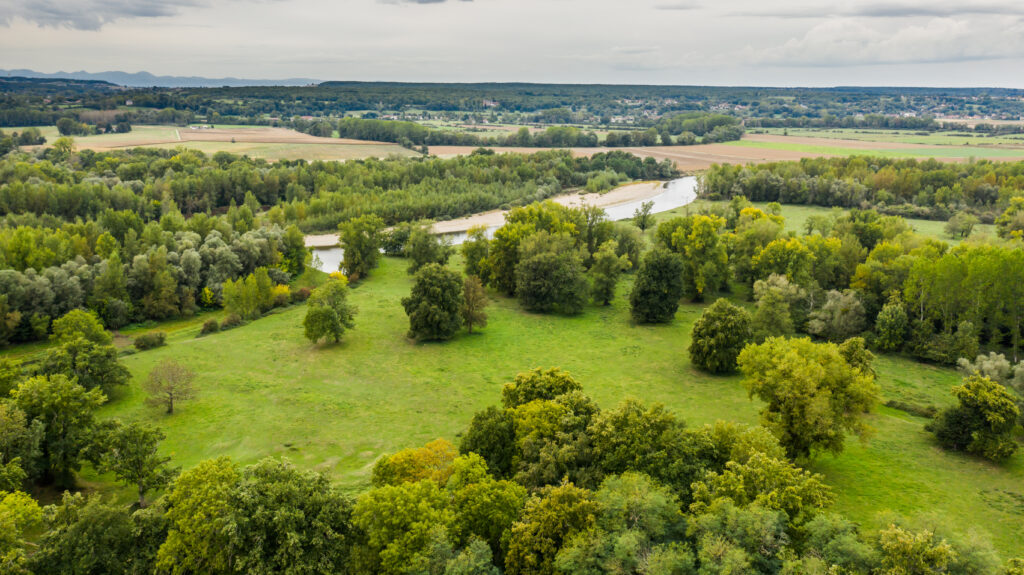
678,6
892,10
87,14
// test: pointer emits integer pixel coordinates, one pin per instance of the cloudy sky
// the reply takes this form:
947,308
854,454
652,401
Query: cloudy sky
721,42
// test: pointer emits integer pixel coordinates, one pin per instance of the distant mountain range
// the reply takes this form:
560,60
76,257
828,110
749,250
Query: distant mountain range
146,80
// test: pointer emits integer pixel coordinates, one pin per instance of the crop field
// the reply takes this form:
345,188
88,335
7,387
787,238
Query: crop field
942,138
847,147
254,141
337,408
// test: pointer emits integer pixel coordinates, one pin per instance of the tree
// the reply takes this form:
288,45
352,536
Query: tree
658,287
705,259
79,323
549,275
538,384
906,552
891,326
20,515
67,412
399,524
425,248
328,311
434,307
294,252
982,423
474,302
772,317
432,461
552,517
130,453
840,318
475,251
198,516
605,272
92,365
812,394
642,217
361,239
168,383
961,225
491,435
283,520
718,337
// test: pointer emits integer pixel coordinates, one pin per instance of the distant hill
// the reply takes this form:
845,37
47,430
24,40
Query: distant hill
146,80
53,86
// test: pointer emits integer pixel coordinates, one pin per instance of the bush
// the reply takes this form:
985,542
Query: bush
718,337
210,326
280,295
150,340
232,320
301,294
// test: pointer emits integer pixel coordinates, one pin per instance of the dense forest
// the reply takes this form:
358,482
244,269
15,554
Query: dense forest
150,234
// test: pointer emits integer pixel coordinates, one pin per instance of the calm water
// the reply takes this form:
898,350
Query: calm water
675,194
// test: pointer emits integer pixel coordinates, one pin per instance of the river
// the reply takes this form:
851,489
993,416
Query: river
673,194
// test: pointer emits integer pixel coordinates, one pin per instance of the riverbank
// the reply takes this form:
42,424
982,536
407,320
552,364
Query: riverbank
634,192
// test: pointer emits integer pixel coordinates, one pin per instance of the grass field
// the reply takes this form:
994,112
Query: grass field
264,390
942,138
838,148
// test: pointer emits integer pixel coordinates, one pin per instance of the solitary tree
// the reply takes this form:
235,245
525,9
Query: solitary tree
435,305
658,287
642,217
328,312
812,394
719,336
169,382
474,301
982,423
425,248
130,453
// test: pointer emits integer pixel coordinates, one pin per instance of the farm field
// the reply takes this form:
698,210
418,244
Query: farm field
839,147
946,138
336,408
255,141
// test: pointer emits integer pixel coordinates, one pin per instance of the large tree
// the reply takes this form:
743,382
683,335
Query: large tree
130,453
813,395
424,247
553,516
983,421
549,275
718,336
361,239
658,287
67,413
605,272
328,311
435,305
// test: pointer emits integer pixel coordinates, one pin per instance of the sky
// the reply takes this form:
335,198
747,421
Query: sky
691,42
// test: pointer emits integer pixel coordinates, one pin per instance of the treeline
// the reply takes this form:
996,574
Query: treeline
546,483
926,189
878,121
56,186
684,129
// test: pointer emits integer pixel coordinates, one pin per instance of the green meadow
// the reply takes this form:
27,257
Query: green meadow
265,390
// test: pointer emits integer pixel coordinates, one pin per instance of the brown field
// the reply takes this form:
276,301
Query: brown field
687,158
257,135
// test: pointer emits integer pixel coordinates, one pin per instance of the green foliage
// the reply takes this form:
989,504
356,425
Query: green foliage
553,516
328,311
642,217
538,384
284,520
812,394
20,440
705,259
718,337
20,515
491,435
423,247
604,273
169,383
432,461
549,275
67,413
90,364
475,252
658,287
398,524
361,239
130,453
198,514
79,323
435,305
891,326
731,539
475,300
839,318
908,552
982,423
150,340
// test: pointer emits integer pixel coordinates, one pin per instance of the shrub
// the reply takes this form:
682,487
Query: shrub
150,340
210,326
301,294
280,295
232,320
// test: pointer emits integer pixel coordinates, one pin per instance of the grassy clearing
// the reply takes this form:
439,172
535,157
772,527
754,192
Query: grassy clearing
264,390
951,152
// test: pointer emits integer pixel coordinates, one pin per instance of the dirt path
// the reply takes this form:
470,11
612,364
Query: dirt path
621,195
